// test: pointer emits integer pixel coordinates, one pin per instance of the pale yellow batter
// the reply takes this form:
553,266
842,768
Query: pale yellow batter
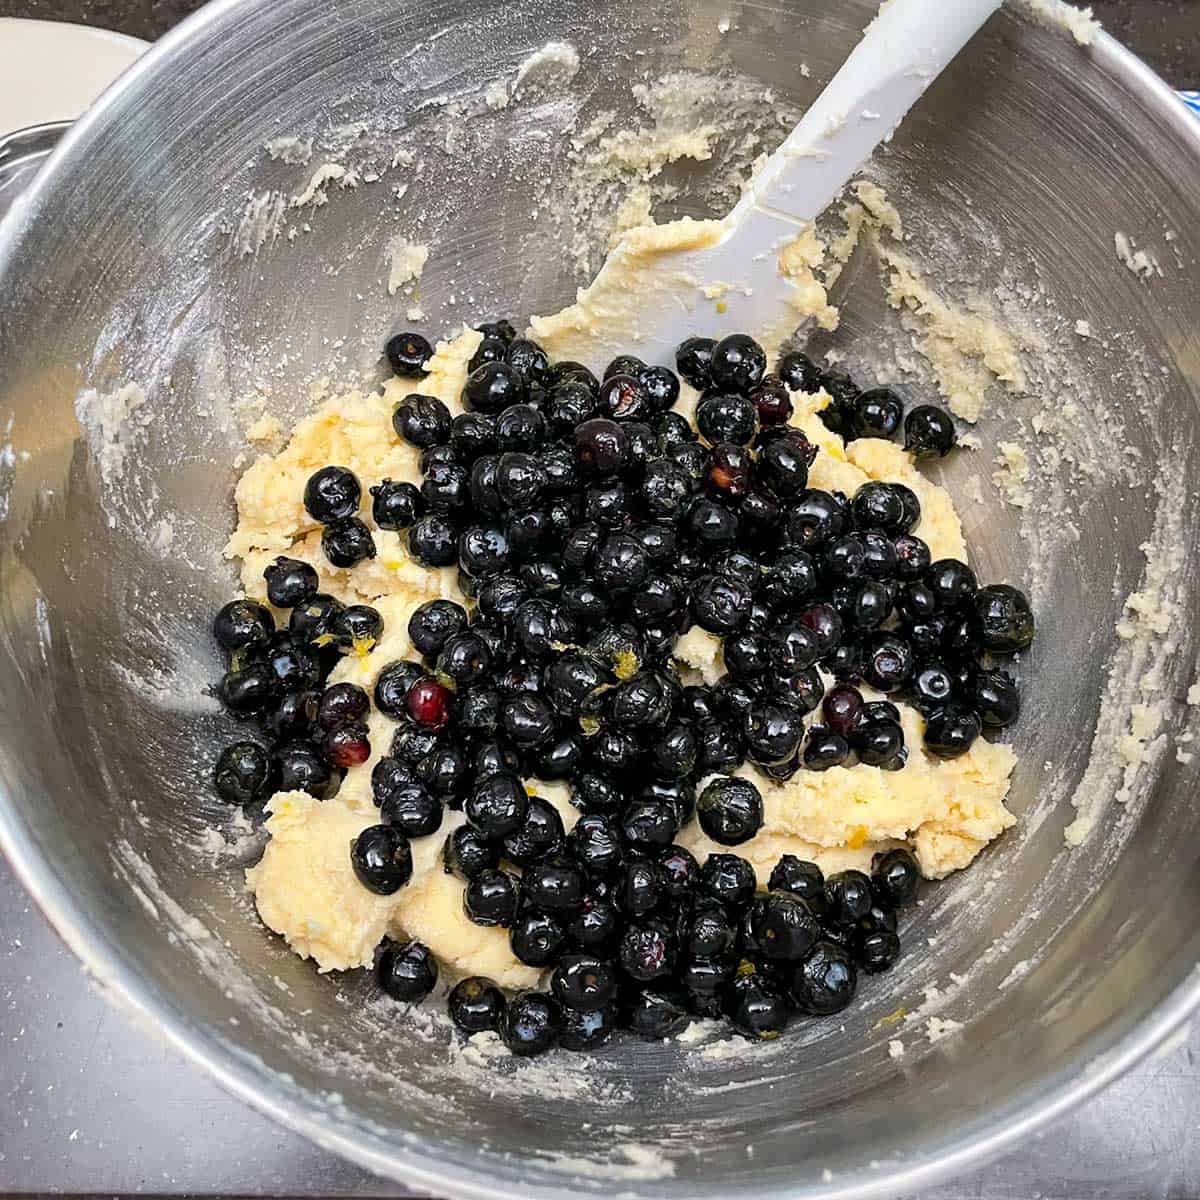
304,886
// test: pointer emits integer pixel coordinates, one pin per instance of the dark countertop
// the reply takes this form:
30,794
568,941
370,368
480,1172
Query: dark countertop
1166,33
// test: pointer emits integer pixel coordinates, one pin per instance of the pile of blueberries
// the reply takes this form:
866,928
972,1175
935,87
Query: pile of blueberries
592,526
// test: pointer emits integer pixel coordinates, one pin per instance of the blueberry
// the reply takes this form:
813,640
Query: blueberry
1005,618
814,518
647,824
888,664
475,1005
592,792
773,733
738,363
408,353
392,688
537,938
601,447
721,604
528,358
951,731
730,810
728,879
243,623
347,542
825,982
422,421
623,398
531,1024
673,755
584,1031
406,972
665,488
710,933
912,557
825,749
799,372
446,487
396,506
556,886
299,767
755,1006
347,746
847,898
527,721
498,805
842,709
727,417
413,809
643,702
783,465
607,504
620,563
583,982
878,742
464,659
661,386
772,402
502,330
646,951
952,583
800,878
595,844
467,853
332,494
928,431
791,579
877,413
785,927
895,877
289,582
490,898
877,951
294,717
492,387
243,773
994,696
382,859
561,758
693,360
931,686
490,350
249,689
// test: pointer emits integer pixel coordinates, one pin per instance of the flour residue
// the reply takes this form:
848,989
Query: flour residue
111,420
1080,23
1127,742
407,260
294,151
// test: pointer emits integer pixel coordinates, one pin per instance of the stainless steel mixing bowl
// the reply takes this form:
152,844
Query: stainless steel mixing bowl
144,253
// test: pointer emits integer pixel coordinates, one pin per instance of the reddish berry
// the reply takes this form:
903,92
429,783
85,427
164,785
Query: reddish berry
772,401
843,706
347,745
428,703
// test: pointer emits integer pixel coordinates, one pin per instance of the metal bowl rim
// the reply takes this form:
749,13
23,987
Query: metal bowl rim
1055,1096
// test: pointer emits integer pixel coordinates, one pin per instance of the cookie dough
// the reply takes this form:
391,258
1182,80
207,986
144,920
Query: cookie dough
304,886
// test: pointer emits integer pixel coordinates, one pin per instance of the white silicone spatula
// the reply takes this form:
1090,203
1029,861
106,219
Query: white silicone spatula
902,52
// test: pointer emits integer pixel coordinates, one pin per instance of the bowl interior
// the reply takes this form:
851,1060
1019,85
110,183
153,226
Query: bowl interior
167,247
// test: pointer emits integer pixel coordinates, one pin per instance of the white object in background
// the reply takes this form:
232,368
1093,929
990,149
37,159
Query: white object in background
51,71
903,50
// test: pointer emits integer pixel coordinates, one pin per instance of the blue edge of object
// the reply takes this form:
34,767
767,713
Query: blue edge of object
1192,100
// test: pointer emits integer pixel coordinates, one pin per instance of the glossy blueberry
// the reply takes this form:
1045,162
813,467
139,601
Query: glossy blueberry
332,494
406,970
382,859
